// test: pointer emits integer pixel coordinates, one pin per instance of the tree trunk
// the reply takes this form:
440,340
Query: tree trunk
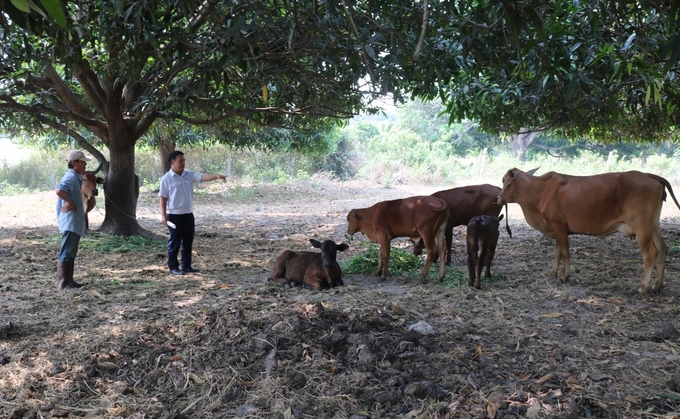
165,147
122,190
521,142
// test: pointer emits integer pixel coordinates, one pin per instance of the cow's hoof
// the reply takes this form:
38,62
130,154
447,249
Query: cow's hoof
382,279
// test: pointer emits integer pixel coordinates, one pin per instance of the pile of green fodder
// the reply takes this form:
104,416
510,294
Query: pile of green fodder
403,263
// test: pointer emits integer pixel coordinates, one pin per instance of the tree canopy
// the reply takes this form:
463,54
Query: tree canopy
118,67
606,69
603,69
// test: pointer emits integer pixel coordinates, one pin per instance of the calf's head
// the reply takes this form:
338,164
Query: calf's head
329,250
353,223
90,181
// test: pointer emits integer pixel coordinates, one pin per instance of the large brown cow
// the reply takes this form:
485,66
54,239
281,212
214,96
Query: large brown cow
464,203
558,205
90,181
414,217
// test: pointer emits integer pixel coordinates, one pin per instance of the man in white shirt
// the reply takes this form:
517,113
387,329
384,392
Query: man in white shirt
177,197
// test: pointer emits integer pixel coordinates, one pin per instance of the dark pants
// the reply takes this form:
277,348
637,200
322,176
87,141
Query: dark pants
69,246
181,239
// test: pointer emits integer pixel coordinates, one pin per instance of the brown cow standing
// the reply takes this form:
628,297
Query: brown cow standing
414,217
315,270
464,203
558,205
482,238
90,181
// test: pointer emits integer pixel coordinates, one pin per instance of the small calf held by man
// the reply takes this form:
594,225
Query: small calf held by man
482,238
90,193
313,270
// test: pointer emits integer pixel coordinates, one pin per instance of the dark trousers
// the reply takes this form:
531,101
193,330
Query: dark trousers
69,246
181,239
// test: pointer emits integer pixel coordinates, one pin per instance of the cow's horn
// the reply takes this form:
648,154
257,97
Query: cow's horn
532,171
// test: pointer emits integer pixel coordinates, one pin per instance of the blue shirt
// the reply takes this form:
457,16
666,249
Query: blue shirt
74,220
179,190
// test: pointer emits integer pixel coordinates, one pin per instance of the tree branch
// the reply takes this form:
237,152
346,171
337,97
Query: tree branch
82,142
416,54
65,93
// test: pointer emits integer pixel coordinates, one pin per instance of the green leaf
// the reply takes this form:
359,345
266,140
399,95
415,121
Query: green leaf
648,95
55,10
21,5
670,396
370,51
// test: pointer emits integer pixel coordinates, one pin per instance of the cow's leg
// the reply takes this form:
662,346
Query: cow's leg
430,248
384,259
279,275
448,234
440,240
660,262
561,253
472,263
313,282
556,263
481,261
489,258
649,255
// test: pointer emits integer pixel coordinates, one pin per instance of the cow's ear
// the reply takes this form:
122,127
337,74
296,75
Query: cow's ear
315,243
342,247
101,180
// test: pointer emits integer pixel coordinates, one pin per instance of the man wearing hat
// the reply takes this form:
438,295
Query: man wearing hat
71,218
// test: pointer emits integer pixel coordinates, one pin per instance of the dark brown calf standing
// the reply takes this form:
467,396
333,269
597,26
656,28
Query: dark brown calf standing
315,270
482,237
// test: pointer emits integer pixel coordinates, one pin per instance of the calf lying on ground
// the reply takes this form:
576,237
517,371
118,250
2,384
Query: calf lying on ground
315,270
482,237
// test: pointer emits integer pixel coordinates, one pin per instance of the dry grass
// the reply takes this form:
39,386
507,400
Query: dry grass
138,343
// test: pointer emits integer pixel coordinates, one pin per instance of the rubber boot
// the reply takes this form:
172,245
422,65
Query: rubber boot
62,277
70,266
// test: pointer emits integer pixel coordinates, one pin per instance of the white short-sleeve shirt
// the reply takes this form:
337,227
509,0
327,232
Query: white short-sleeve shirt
179,190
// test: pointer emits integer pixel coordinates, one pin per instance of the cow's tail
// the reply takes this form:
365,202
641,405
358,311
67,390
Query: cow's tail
507,226
477,226
667,185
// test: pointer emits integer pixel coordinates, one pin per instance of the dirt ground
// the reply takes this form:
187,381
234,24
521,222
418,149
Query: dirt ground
137,342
